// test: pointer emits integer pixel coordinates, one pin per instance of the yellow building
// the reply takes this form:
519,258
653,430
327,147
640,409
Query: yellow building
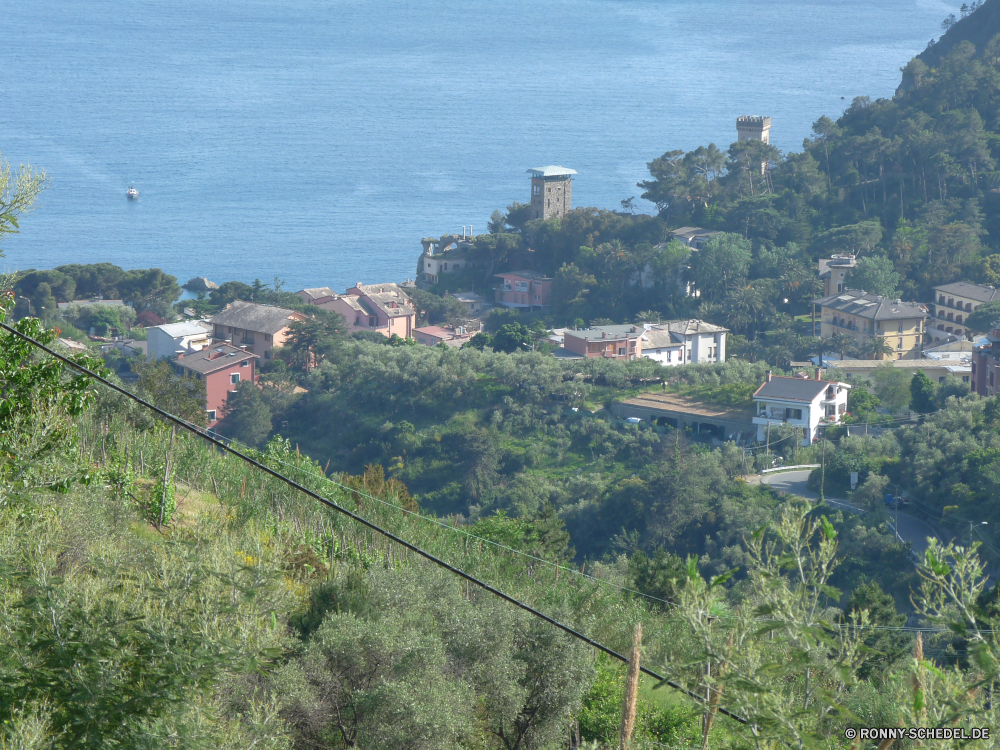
953,303
864,316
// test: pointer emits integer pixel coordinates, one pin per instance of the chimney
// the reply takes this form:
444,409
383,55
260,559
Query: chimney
817,374
357,285
768,376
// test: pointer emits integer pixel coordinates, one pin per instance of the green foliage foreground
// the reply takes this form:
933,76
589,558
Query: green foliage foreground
257,619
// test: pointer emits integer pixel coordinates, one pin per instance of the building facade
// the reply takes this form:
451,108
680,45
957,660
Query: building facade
693,237
953,303
260,328
222,368
986,365
808,404
610,342
380,308
551,192
682,342
865,316
524,289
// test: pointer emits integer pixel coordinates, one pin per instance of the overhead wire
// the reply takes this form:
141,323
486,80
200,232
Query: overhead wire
360,519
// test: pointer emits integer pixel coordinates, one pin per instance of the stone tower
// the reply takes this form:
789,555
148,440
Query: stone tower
551,191
753,128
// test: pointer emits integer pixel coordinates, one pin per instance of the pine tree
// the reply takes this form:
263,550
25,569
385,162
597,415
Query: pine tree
921,393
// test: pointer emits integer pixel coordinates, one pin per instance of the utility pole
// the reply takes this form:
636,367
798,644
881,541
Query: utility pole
767,449
822,472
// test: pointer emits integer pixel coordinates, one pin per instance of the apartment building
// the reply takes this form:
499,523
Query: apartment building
952,305
865,316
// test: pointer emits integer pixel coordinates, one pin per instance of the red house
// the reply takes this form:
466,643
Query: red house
222,367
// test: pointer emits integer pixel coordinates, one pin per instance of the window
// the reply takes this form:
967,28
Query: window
941,379
793,413
267,354
761,408
965,378
211,415
537,189
267,337
245,363
537,298
234,378
900,328
900,344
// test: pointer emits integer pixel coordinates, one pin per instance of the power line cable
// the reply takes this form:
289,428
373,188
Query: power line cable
374,527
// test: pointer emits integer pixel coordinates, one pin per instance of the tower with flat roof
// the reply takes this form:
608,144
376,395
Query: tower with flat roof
753,128
551,191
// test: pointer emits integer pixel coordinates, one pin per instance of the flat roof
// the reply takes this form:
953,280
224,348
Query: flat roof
188,328
597,333
683,404
551,171
531,275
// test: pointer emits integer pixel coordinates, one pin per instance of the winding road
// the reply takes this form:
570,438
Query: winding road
910,529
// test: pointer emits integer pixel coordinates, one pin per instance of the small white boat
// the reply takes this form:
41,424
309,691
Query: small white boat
132,193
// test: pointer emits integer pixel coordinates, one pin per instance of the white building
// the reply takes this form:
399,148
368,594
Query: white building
682,342
803,402
178,338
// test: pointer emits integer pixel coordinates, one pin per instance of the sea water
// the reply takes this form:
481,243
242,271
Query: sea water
319,140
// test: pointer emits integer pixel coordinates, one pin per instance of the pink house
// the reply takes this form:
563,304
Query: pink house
222,367
528,289
383,308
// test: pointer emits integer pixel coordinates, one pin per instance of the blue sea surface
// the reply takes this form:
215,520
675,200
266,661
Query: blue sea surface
319,140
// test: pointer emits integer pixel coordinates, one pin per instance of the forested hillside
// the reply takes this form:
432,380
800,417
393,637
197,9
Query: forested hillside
909,183
157,592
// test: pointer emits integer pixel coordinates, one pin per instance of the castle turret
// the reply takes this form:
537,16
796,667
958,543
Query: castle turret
753,128
551,191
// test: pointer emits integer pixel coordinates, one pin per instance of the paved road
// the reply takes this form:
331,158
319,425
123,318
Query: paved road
911,529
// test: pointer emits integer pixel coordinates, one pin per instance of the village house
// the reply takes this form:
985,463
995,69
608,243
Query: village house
693,237
472,302
610,342
381,308
809,404
452,336
524,289
952,305
985,370
833,272
681,342
171,339
260,328
445,255
864,316
222,368
316,296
